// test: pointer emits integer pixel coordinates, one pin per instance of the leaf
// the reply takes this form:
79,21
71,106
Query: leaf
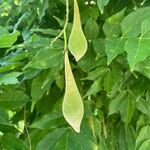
49,142
116,102
46,58
91,29
48,121
10,142
10,66
114,46
138,49
42,9
127,109
89,61
96,73
47,31
3,30
10,78
30,73
7,40
72,106
131,26
77,40
12,99
126,137
112,25
8,129
143,135
144,67
36,136
144,106
99,46
66,139
145,145
110,80
37,87
18,56
95,87
4,118
101,4
103,145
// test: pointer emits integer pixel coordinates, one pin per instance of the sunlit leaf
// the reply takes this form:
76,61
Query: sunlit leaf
46,58
7,40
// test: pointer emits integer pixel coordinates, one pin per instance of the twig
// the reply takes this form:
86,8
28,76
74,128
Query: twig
26,129
65,25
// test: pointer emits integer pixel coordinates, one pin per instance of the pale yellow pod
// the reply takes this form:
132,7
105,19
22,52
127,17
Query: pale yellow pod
77,40
73,109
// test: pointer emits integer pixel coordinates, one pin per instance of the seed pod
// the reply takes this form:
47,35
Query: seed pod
72,107
77,40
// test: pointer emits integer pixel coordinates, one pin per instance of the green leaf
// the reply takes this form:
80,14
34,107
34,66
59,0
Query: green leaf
131,24
12,99
63,138
4,118
7,40
144,67
49,142
72,99
112,25
46,58
10,142
145,145
91,29
110,80
18,56
99,46
114,46
96,73
95,87
138,49
39,86
89,61
77,40
42,9
36,136
103,145
144,106
126,137
8,129
101,4
10,66
10,78
3,30
116,103
143,135
127,109
48,121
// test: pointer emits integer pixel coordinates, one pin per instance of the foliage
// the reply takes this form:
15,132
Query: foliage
110,78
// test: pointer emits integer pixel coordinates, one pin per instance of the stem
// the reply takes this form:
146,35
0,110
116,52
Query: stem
91,124
65,25
65,42
26,129
104,128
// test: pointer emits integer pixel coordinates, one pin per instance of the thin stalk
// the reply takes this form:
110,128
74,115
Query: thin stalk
65,25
